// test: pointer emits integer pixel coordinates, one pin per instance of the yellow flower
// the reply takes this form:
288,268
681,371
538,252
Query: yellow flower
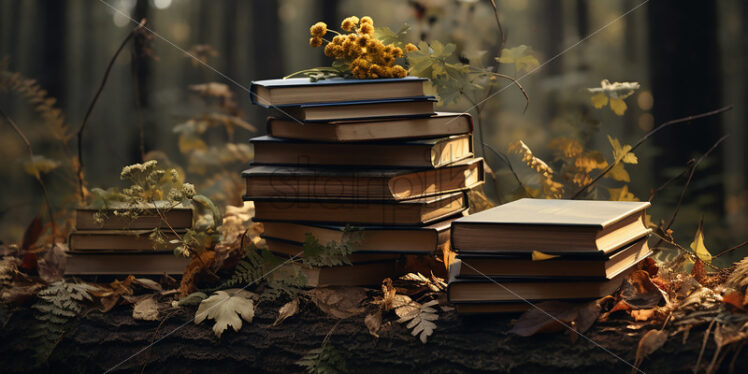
318,29
397,52
410,47
367,20
338,39
349,23
315,41
330,50
388,59
363,40
366,29
399,71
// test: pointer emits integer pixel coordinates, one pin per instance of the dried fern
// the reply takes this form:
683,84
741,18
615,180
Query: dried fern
34,94
58,304
323,360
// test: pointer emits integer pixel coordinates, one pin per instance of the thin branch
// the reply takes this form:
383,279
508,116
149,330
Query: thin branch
79,172
688,181
507,77
728,250
644,139
498,23
37,176
508,163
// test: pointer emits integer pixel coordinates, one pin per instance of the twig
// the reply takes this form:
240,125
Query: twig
508,163
37,176
703,346
688,181
728,250
498,23
79,172
644,139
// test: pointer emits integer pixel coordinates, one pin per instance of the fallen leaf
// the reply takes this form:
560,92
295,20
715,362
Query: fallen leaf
641,315
192,299
146,309
639,291
552,316
736,299
225,307
32,233
373,322
148,284
287,310
52,265
650,266
338,302
698,244
421,317
648,344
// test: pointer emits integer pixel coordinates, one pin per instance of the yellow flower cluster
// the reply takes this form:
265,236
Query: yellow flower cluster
367,56
551,188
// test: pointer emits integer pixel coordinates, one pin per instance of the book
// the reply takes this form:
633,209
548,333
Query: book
125,264
295,91
441,124
470,290
551,226
263,181
117,240
425,153
584,265
367,274
288,249
419,106
483,308
409,212
179,217
398,239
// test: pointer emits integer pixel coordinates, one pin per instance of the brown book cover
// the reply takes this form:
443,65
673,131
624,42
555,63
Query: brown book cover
124,263
287,182
177,217
439,125
409,212
288,249
117,240
364,274
577,266
378,239
420,106
423,153
551,226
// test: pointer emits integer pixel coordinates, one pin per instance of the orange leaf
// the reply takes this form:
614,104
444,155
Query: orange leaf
735,298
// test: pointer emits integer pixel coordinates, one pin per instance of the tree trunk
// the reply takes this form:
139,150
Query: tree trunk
479,344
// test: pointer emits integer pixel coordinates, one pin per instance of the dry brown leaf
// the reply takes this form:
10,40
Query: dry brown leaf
640,293
373,322
649,343
738,279
641,315
146,309
553,315
148,284
338,302
287,310
736,299
52,265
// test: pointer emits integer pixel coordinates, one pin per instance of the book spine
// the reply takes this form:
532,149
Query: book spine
253,93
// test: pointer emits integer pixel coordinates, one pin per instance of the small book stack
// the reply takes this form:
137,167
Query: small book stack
365,161
535,250
106,243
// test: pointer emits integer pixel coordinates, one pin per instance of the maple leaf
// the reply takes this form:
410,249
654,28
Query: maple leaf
697,245
622,153
225,307
621,194
613,93
521,56
420,318
619,173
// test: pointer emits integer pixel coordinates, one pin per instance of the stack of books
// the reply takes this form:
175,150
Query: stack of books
534,250
361,161
120,245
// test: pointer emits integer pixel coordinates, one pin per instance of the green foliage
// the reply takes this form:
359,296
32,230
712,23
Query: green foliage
521,56
323,360
57,304
387,36
330,254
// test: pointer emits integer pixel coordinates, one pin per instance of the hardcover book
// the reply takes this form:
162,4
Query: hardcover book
123,263
419,106
441,124
409,212
551,226
177,217
290,249
427,153
117,240
264,181
296,91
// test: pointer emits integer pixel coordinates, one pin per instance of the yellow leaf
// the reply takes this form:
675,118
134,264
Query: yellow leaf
698,245
567,146
189,143
618,106
590,161
619,173
622,153
599,100
540,256
40,165
621,194
521,56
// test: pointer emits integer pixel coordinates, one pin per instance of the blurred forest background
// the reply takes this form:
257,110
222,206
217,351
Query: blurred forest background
690,57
